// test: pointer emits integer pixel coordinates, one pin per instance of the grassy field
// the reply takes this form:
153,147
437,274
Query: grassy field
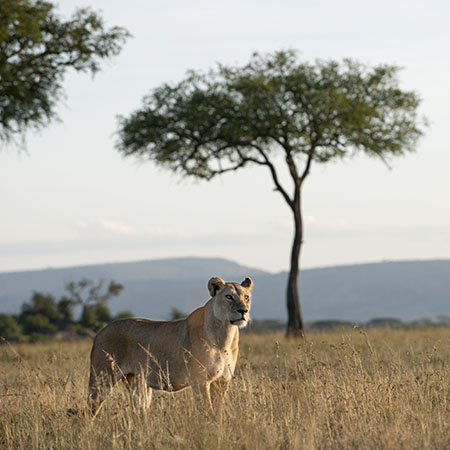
383,389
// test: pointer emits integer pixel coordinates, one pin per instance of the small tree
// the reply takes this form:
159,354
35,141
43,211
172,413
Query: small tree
38,324
36,49
127,314
177,314
273,110
95,316
93,298
10,329
40,315
65,310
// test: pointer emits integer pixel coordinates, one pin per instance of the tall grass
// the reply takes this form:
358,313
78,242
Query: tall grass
383,389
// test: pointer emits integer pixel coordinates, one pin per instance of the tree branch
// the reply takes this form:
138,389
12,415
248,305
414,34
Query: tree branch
274,174
229,169
308,165
385,161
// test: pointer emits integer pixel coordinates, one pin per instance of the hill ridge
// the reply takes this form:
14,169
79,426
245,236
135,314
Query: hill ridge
407,290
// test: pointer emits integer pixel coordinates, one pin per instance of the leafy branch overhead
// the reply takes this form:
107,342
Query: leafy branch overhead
36,49
212,123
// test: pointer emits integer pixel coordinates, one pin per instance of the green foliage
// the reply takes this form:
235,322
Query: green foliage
95,317
177,314
124,315
93,298
65,309
38,323
43,315
40,315
85,292
41,310
37,47
233,116
10,329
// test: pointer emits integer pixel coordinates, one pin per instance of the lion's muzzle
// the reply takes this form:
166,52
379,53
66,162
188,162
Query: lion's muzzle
242,319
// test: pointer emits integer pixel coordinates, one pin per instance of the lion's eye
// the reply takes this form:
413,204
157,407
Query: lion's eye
246,297
229,297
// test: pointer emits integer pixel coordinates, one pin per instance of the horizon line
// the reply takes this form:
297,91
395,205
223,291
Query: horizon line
137,261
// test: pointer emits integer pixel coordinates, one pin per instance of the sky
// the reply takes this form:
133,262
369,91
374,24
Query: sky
72,199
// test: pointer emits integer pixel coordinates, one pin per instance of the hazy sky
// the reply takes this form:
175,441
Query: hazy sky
72,199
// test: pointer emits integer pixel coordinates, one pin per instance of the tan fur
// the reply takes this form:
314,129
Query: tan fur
199,351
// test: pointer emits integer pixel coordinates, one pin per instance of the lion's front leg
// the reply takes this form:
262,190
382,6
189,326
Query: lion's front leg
202,395
218,392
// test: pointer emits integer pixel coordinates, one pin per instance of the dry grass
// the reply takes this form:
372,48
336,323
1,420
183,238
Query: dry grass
386,389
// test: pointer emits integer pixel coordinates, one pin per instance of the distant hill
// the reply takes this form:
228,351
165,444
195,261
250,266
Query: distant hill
402,290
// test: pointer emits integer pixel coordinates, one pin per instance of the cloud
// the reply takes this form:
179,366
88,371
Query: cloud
103,229
117,227
104,226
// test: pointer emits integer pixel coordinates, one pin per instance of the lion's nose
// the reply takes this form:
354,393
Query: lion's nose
243,311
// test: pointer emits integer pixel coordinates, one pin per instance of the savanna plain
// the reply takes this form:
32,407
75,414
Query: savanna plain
342,389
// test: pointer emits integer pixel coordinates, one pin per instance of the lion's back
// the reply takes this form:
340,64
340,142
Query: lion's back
136,339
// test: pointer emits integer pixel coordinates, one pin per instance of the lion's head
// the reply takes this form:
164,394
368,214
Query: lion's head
231,301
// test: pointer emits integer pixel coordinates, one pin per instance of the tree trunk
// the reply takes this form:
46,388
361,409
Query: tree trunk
295,326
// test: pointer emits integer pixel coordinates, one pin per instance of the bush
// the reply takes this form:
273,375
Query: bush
38,323
124,315
10,329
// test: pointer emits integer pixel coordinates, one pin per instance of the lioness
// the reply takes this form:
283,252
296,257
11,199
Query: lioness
199,351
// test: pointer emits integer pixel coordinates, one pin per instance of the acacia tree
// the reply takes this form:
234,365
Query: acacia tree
93,298
274,109
37,47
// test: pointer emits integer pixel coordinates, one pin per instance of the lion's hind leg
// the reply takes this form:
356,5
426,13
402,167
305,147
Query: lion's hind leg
140,392
101,383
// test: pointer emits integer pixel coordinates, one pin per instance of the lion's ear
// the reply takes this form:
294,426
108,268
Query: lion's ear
214,284
247,283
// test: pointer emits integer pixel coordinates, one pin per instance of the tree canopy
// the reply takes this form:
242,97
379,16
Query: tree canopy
275,106
230,117
37,47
